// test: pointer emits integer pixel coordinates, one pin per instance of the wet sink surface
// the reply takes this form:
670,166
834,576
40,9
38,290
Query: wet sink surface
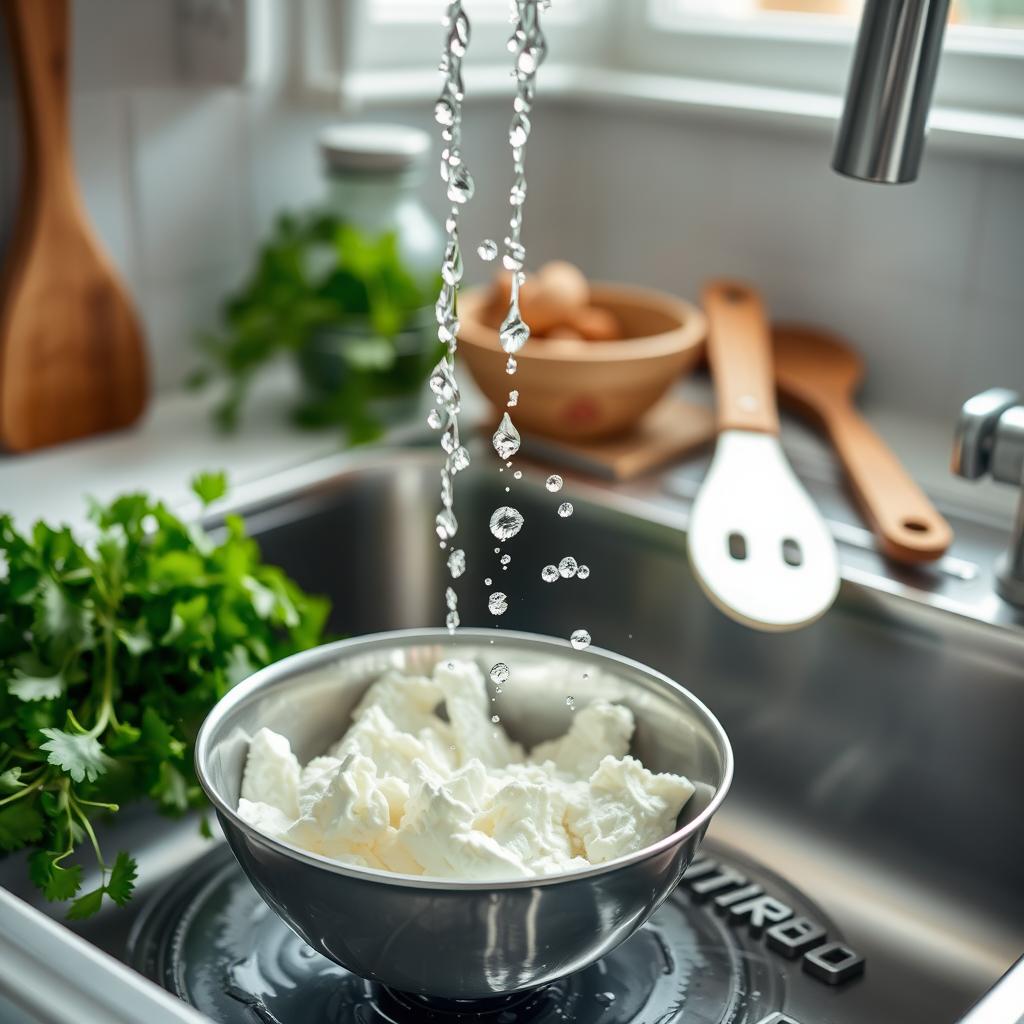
878,754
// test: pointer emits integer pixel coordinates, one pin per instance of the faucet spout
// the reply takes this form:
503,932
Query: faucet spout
882,130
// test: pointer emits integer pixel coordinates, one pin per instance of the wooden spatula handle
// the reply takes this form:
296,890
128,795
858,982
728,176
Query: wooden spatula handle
908,526
40,30
739,350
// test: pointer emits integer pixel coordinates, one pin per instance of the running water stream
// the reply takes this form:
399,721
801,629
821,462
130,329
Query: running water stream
528,47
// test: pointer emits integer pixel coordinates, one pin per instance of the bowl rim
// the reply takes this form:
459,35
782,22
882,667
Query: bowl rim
280,672
690,334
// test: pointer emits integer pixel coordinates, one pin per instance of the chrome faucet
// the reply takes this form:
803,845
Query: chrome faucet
990,441
882,130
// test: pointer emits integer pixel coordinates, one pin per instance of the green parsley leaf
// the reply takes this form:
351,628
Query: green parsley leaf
208,487
30,688
121,883
57,882
20,823
87,905
80,756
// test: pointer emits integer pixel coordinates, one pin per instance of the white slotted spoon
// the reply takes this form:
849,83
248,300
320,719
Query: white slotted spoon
758,544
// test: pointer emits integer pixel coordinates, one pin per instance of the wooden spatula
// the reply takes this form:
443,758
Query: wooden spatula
819,375
758,544
72,360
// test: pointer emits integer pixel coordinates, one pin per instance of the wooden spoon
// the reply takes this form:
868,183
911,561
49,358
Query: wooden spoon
72,360
818,374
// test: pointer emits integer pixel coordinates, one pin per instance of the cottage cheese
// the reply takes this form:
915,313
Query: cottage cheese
406,790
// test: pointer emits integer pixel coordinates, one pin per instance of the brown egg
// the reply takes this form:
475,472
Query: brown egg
564,284
596,324
564,331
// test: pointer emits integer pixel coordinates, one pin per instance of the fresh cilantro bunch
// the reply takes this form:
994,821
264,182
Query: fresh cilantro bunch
112,650
315,274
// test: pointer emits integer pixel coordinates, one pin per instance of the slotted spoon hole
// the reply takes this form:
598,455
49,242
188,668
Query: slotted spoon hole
915,525
737,546
792,553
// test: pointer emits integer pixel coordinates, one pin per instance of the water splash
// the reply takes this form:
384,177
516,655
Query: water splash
487,250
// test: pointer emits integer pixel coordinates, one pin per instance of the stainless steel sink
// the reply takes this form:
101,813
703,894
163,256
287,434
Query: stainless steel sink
879,754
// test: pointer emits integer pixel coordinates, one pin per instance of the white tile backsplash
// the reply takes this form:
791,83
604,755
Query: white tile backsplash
102,153
191,180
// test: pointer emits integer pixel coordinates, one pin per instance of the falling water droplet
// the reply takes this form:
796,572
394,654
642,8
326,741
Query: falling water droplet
567,567
451,599
461,186
519,130
518,474
499,673
506,438
452,621
513,333
580,639
506,522
434,419
515,255
487,581
446,523
460,459
513,398
444,113
570,702
583,572
497,603
565,509
457,563
495,719
553,483
549,573
451,265
510,366
487,249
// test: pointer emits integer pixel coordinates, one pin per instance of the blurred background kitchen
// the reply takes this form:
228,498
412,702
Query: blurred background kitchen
676,138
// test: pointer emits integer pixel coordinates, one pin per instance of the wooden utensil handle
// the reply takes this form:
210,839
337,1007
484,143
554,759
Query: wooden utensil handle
40,32
908,526
739,350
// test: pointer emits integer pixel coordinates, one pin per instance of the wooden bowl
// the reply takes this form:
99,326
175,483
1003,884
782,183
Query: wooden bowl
583,390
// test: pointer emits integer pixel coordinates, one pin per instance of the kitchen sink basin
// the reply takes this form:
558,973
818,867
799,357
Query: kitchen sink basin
878,752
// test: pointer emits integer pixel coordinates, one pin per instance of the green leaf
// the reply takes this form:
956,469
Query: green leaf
30,688
86,906
10,780
137,641
20,824
159,737
80,756
171,789
56,882
208,487
122,879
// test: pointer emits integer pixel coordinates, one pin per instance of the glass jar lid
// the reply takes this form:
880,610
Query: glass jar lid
372,148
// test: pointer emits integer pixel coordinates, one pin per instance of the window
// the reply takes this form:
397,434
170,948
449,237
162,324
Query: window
786,60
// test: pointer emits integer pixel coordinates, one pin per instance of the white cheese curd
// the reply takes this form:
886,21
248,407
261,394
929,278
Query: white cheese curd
423,783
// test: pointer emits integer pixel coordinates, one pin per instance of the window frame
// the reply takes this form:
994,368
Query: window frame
792,73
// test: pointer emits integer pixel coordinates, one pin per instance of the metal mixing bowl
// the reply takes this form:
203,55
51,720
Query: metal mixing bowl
454,939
